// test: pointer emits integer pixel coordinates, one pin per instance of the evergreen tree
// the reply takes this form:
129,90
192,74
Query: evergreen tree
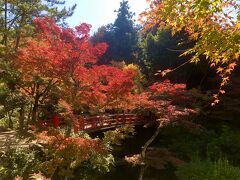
16,18
160,50
125,33
121,36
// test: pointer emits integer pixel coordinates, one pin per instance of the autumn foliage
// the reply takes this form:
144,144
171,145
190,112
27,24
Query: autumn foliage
58,52
108,87
64,59
212,25
57,84
67,153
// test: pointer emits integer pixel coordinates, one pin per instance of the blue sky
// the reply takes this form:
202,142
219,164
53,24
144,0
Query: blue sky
100,12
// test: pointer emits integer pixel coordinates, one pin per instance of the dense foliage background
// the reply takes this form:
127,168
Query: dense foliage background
178,69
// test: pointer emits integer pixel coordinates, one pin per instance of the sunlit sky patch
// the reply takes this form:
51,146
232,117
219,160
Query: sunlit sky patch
100,12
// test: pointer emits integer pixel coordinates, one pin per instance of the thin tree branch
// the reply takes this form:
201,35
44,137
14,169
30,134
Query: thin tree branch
177,50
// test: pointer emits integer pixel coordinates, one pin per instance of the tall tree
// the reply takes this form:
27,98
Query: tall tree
121,36
16,18
54,57
63,59
125,33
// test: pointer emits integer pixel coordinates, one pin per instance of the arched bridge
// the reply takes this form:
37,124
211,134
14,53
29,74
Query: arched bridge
104,122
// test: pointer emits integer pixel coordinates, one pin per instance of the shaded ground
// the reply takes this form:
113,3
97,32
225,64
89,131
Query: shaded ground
10,139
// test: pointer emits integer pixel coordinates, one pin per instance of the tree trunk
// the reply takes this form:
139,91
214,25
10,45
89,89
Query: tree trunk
35,110
10,122
21,118
35,105
18,32
5,38
143,153
18,40
29,116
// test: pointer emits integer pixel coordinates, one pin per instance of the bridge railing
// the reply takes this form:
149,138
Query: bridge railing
104,121
97,122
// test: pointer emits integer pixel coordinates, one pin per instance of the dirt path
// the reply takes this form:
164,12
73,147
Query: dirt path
10,139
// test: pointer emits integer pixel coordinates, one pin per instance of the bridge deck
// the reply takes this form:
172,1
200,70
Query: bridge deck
98,123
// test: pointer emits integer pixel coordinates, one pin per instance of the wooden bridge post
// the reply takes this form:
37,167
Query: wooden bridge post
81,123
117,118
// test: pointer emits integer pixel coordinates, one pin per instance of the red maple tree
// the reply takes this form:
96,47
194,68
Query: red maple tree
65,58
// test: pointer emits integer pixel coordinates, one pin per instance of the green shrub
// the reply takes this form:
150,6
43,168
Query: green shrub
18,161
208,170
185,143
208,144
226,144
